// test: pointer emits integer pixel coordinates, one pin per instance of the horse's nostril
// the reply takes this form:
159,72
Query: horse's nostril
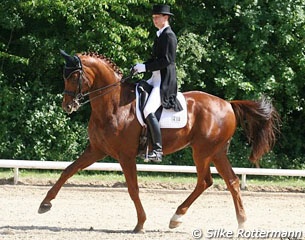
68,108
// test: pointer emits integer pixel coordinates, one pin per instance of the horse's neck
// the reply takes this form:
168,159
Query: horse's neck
114,101
114,96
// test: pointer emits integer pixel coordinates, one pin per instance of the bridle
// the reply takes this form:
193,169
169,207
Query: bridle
78,96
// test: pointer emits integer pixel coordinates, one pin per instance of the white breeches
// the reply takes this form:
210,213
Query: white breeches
154,100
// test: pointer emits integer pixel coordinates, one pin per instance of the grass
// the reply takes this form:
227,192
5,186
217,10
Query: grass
172,178
100,176
278,181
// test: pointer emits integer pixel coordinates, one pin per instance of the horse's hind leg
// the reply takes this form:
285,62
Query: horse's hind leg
204,180
225,170
85,160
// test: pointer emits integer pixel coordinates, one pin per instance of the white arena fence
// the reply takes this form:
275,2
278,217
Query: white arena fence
60,165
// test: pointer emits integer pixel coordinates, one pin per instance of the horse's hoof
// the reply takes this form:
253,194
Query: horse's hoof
175,221
241,225
139,231
44,207
174,224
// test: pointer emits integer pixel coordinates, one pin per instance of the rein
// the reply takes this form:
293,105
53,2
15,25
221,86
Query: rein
78,96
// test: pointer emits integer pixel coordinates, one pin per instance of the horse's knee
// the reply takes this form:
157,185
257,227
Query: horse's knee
68,172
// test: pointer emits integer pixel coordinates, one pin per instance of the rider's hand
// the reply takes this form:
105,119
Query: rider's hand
139,68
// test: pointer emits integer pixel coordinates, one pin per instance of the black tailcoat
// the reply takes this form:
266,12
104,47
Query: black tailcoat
163,59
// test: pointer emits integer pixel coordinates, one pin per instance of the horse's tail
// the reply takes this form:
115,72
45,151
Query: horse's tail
260,121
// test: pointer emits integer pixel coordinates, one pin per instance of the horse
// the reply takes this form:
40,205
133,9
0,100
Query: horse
114,131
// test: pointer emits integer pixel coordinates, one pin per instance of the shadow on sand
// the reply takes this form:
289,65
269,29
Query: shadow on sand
7,229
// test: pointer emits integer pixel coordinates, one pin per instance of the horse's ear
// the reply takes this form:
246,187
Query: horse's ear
68,58
62,52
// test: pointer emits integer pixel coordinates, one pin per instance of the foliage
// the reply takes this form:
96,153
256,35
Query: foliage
41,131
233,49
245,49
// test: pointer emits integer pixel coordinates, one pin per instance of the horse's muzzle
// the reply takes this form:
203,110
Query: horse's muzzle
71,106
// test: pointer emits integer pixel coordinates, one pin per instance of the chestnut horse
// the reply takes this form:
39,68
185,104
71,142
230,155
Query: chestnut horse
114,131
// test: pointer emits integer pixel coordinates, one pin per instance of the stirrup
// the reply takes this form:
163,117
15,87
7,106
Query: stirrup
154,156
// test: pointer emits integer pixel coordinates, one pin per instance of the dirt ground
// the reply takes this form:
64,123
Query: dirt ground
95,212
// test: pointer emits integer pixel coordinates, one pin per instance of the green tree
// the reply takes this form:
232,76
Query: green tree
245,49
233,49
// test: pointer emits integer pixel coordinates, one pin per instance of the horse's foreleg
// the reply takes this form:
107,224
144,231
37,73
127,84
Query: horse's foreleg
85,160
204,180
130,172
225,170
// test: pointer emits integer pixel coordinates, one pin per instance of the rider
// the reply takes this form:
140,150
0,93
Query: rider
163,79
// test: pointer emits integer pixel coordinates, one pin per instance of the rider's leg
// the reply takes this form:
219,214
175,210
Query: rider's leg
153,103
156,154
143,89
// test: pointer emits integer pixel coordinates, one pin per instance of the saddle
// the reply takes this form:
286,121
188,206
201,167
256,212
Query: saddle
167,118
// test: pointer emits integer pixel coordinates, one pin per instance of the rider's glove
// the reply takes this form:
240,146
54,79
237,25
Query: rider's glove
139,68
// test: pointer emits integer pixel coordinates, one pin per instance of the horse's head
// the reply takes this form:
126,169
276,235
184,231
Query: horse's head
76,83
88,74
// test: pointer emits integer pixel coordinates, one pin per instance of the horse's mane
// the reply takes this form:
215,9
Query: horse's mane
107,60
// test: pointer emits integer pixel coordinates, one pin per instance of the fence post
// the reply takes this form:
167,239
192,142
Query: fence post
243,181
16,175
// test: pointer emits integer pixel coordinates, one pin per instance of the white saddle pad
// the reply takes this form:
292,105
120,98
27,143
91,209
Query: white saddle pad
169,118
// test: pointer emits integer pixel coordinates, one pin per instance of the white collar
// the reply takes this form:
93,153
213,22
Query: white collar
161,30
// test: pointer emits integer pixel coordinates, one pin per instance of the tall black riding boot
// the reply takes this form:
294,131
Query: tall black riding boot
153,125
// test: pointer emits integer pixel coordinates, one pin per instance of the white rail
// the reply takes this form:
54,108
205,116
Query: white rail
29,164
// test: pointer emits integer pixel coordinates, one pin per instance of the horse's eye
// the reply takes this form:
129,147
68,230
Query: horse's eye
74,78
